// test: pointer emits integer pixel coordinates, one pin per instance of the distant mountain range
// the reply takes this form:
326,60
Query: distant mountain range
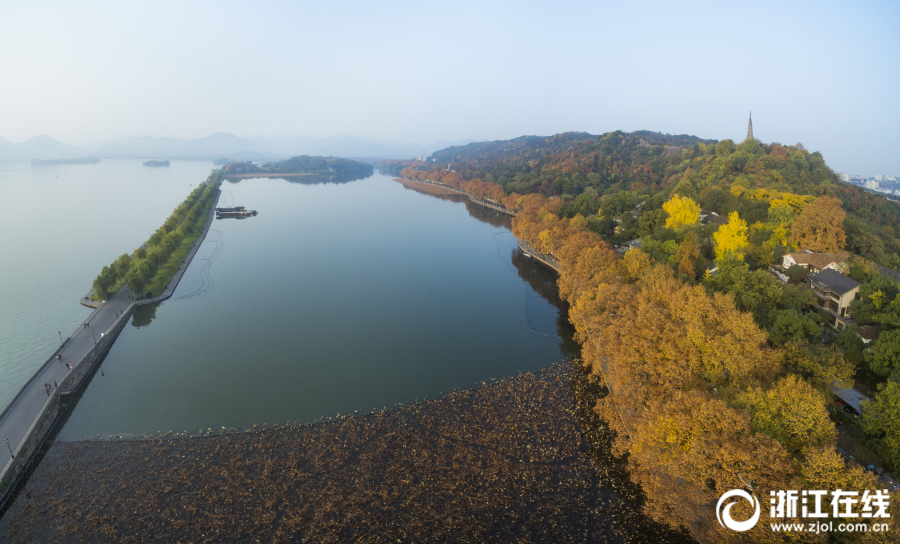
40,147
218,145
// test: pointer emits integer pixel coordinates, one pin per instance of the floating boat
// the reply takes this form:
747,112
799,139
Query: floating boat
528,254
237,214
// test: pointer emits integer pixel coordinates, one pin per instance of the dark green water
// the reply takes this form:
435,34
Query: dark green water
336,298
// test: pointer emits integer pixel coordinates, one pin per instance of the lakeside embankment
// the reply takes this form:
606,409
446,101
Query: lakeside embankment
545,259
27,421
432,186
151,267
504,462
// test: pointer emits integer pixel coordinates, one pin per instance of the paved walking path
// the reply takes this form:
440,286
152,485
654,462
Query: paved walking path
28,405
547,260
479,201
19,419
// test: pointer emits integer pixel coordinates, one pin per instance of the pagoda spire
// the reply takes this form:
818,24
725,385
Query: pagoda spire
750,127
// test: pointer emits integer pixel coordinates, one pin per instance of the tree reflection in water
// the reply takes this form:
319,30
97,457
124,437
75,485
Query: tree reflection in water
144,314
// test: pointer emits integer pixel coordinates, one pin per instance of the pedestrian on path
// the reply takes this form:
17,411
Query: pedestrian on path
55,385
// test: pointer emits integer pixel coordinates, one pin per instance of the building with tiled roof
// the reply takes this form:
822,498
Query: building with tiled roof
868,333
816,262
835,291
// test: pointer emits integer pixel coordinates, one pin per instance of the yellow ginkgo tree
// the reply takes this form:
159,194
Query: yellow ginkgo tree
731,238
682,211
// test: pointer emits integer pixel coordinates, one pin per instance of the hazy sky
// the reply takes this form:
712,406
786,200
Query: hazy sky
822,73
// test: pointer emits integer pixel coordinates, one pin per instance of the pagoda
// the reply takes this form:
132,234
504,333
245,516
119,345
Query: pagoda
750,127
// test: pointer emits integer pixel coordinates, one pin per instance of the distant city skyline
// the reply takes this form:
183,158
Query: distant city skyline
419,73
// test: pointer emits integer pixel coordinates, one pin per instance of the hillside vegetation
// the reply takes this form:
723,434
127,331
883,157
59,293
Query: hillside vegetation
716,381
609,174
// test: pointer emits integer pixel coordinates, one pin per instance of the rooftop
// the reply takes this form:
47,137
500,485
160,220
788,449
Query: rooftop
869,332
835,281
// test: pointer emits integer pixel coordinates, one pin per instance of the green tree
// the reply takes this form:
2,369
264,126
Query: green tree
796,273
724,148
821,365
752,291
890,312
100,288
135,280
881,419
714,199
780,213
849,342
797,297
650,220
602,226
792,412
884,357
792,326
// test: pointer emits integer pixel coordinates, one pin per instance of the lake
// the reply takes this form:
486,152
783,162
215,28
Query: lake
337,298
61,226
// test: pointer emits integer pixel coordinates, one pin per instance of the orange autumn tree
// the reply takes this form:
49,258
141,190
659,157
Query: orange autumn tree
699,400
687,255
820,226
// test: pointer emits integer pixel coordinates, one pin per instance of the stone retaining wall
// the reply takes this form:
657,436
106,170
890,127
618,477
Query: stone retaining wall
55,405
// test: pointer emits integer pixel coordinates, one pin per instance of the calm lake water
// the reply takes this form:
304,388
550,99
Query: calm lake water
60,226
336,298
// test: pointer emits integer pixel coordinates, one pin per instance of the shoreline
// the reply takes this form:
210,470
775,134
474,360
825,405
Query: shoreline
485,464
109,318
454,190
544,259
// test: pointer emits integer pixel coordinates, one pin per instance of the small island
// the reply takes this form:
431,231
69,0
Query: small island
54,162
301,166
157,163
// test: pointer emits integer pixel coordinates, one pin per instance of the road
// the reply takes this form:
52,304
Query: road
27,408
21,413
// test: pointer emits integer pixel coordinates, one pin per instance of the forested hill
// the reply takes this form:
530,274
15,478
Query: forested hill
305,164
601,175
643,161
509,158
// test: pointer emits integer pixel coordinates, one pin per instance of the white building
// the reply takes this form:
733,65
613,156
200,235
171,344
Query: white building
421,157
871,184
